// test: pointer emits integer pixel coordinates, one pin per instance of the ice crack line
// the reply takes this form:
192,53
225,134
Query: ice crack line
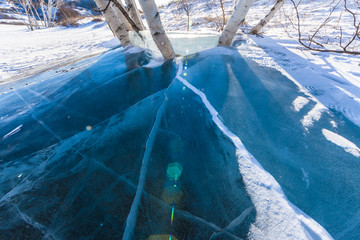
266,194
45,126
132,216
14,131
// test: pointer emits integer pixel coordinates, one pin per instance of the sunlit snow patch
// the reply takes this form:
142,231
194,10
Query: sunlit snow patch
335,138
299,103
313,115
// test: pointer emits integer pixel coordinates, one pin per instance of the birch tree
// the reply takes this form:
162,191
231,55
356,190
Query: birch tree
268,17
115,20
49,9
118,4
27,6
157,31
134,14
241,9
30,7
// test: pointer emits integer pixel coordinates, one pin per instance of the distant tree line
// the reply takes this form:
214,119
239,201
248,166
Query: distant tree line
39,13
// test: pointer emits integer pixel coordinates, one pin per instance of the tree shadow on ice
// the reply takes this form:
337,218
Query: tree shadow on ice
258,105
85,185
193,168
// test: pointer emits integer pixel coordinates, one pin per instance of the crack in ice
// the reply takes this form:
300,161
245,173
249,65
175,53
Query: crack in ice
14,131
277,217
132,216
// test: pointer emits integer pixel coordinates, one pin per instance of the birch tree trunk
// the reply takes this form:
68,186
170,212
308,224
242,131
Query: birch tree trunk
27,12
42,3
238,15
118,4
134,14
268,17
156,29
115,20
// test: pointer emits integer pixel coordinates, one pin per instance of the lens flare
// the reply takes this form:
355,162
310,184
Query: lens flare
162,237
172,213
174,171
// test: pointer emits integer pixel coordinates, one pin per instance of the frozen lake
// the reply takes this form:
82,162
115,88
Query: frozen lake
208,146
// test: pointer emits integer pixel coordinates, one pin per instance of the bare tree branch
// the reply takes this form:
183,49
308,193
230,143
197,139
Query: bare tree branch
311,39
267,18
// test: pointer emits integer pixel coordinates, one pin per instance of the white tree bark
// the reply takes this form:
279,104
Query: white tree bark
157,31
49,12
27,12
134,14
125,15
268,17
241,9
42,4
115,20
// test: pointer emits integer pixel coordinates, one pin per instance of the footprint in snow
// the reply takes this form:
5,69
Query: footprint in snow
314,91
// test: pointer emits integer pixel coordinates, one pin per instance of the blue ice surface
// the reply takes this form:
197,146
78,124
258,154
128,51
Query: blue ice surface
56,108
256,104
61,179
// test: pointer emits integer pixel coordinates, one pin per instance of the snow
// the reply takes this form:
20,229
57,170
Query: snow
24,52
342,142
335,93
217,93
299,103
46,48
287,221
306,177
313,115
334,79
8,15
4,4
208,80
329,81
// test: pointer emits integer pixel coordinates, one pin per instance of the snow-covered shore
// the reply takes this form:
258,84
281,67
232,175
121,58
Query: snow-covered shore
25,53
333,78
